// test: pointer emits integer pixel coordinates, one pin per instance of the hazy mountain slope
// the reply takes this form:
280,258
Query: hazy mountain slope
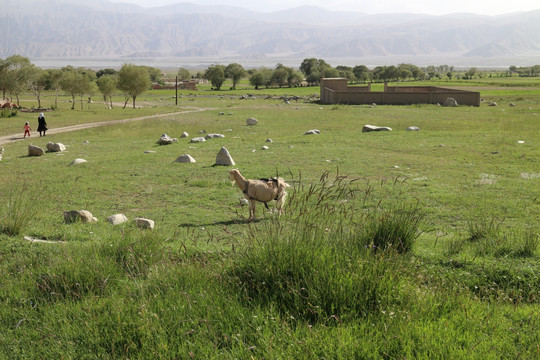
99,28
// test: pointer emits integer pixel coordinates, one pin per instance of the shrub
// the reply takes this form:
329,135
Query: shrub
17,211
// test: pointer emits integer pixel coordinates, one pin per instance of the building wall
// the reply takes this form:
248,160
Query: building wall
336,91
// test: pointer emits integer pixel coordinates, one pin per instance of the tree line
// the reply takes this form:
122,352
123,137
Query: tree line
18,75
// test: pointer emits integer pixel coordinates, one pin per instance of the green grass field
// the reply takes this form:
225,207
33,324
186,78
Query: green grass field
394,245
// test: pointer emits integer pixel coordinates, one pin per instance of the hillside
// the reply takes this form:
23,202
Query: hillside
61,28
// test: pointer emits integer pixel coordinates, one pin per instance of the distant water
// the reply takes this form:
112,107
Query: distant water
270,62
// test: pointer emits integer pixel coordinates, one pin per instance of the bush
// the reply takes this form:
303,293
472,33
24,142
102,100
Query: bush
16,211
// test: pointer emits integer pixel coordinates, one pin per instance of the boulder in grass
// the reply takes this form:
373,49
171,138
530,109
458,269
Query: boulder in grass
84,216
184,135
35,151
1,153
166,140
312,132
144,223
413,128
214,136
198,139
77,162
224,158
55,147
117,219
186,158
450,102
369,128
251,121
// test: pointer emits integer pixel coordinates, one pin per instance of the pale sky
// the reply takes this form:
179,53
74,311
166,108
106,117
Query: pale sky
432,7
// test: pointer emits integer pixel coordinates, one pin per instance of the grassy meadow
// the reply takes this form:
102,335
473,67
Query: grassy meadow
393,245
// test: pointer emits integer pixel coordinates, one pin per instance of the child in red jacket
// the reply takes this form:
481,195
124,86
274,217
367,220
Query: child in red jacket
27,129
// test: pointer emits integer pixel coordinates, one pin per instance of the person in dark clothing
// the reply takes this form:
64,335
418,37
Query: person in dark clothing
42,124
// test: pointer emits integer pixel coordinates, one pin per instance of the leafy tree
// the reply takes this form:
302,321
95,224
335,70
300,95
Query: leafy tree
183,74
4,65
361,72
107,86
279,77
53,82
133,80
216,75
17,75
311,65
155,74
346,72
72,83
235,72
257,79
106,71
37,79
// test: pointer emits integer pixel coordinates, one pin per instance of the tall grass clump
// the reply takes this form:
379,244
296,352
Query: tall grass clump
16,211
315,264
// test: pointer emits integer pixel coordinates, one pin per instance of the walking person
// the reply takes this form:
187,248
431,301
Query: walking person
27,129
42,124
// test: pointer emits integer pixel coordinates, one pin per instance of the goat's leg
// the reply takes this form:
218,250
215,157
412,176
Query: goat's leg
251,209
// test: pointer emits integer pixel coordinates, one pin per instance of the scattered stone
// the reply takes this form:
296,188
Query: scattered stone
224,158
492,103
77,162
198,139
203,131
117,219
495,152
269,141
86,142
264,147
31,239
312,132
450,102
369,128
56,147
512,104
413,128
166,140
35,151
521,142
214,136
144,223
221,113
149,152
186,158
84,216
1,153
244,202
184,135
251,121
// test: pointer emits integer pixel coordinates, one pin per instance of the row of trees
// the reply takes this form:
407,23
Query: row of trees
18,75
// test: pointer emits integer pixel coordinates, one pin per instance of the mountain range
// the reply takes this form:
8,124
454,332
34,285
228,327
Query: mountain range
100,28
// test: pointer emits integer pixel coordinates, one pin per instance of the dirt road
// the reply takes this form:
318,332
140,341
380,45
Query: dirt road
17,137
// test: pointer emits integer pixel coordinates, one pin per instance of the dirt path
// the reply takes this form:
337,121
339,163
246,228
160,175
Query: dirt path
12,138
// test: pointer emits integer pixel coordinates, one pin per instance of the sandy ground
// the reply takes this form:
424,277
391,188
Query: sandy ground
17,137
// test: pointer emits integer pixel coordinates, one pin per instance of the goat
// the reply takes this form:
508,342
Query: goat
262,190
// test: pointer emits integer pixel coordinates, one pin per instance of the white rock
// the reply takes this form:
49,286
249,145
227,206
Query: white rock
214,136
117,219
312,132
450,102
369,128
166,140
55,147
84,216
77,162
413,128
198,139
184,135
224,158
186,158
264,147
251,121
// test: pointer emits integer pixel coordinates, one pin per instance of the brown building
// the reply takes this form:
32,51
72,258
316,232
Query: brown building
336,91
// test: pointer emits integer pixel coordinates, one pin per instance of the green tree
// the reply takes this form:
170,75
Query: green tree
216,75
279,77
107,71
37,79
107,86
133,80
257,79
19,69
235,72
183,74
53,82
361,72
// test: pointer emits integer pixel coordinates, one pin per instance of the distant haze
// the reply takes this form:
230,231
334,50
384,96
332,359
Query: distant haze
483,7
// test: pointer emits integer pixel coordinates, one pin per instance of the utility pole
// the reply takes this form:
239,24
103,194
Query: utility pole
176,87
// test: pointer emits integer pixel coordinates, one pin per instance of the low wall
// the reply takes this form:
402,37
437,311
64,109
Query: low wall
333,92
